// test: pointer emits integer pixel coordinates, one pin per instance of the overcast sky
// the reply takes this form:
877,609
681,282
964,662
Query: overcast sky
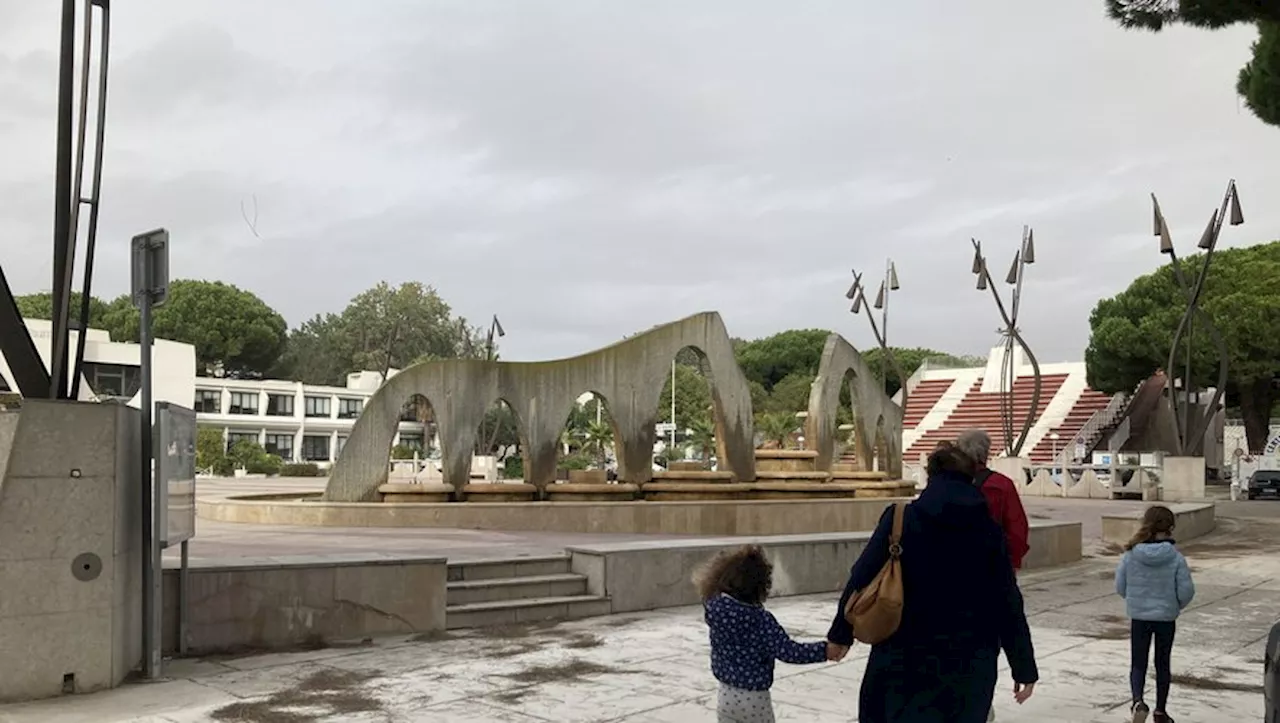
589,169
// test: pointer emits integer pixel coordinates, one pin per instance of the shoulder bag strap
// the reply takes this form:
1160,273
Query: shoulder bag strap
895,537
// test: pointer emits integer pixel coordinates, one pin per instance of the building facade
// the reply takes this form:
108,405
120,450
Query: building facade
295,421
298,422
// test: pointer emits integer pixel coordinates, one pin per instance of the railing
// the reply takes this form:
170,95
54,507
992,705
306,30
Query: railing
1092,428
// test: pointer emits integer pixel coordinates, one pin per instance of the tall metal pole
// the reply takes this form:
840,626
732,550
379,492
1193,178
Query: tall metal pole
150,510
63,254
673,410
150,288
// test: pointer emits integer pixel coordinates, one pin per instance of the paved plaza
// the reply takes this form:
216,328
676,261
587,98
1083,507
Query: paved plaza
653,666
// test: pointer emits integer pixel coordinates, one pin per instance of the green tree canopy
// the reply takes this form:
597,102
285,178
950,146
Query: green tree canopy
1259,80
1132,331
230,328
769,360
40,306
384,326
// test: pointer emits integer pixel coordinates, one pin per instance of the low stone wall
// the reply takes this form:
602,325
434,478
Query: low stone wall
263,603
649,575
1192,520
705,517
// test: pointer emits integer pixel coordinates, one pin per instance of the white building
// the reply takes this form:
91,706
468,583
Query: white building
296,421
111,369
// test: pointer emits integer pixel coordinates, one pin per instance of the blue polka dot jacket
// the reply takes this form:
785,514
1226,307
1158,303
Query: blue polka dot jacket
746,639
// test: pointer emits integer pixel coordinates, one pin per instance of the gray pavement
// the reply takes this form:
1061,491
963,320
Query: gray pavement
652,667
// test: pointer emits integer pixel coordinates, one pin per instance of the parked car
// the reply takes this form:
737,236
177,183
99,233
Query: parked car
1271,675
1263,482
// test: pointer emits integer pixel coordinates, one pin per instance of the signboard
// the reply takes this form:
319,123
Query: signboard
150,267
175,453
666,427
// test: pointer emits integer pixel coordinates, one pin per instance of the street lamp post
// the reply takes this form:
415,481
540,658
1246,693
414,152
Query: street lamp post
857,294
1025,256
1190,436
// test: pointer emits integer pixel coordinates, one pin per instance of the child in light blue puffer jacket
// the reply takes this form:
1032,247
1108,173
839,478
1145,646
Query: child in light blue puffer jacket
1155,582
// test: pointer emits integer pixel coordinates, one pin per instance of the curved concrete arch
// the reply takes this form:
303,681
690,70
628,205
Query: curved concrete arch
629,375
870,403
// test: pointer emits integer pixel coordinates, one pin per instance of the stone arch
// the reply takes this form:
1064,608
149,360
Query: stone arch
516,421
718,412
629,375
839,358
422,411
603,402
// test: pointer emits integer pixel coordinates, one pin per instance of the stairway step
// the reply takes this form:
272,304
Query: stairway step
465,592
508,567
514,612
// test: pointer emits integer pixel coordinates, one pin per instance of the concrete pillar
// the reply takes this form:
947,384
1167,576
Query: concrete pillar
71,544
1182,479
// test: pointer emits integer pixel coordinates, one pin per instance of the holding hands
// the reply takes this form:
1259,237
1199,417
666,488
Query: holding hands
836,652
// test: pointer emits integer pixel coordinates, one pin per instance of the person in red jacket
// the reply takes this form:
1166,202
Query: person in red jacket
1001,493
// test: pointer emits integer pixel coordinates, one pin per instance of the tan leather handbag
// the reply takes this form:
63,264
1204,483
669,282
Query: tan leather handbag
876,610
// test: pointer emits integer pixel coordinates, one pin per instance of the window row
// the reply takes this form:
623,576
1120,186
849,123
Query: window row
315,448
209,401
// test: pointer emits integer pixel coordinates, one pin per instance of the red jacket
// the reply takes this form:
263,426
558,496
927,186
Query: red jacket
1006,509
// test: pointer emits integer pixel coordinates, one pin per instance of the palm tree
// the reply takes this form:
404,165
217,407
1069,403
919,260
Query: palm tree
777,427
702,435
596,438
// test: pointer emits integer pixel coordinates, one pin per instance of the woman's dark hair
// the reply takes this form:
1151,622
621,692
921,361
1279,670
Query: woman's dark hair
1157,520
744,574
947,457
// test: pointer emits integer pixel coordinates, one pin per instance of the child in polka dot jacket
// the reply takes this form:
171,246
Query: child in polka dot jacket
745,638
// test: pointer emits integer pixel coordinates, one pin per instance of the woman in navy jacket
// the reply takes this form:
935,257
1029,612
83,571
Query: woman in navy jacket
961,606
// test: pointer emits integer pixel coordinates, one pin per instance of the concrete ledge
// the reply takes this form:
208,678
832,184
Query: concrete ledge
281,602
684,517
655,574
1191,520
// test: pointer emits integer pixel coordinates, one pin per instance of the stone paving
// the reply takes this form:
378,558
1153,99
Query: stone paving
653,666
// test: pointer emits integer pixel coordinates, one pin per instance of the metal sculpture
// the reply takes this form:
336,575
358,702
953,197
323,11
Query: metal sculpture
1025,256
888,285
1190,436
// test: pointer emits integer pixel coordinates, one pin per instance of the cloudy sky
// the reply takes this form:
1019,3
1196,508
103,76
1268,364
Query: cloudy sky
588,169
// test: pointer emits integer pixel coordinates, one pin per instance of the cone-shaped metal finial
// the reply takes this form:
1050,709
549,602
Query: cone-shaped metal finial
852,292
893,277
1029,253
1012,278
982,278
497,326
1161,228
857,304
977,260
1208,239
879,297
1237,216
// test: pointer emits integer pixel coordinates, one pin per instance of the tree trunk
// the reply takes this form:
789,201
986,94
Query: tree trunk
1256,399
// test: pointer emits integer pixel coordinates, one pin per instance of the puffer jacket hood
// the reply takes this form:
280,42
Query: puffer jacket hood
1156,554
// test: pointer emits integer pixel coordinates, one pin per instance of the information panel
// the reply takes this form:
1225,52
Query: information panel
175,452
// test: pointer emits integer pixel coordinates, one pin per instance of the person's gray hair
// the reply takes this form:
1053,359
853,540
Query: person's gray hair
976,443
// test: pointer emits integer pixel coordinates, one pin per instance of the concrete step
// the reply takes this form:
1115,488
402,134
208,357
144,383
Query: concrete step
514,612
465,592
508,567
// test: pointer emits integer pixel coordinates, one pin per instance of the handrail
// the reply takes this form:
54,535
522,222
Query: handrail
1092,427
